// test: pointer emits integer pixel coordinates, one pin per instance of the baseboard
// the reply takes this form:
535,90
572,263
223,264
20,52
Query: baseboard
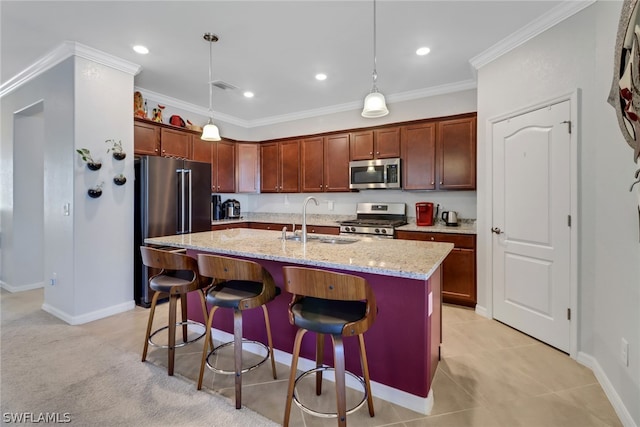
423,405
613,396
482,311
21,288
91,316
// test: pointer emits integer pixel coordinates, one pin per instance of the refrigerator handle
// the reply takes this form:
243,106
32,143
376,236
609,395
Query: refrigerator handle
190,202
182,201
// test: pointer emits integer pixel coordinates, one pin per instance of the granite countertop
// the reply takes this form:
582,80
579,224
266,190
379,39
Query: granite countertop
390,257
466,226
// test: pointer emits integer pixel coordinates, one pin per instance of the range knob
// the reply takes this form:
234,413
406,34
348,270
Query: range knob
384,231
377,230
353,229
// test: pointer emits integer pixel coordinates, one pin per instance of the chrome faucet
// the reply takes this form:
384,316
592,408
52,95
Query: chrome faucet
304,217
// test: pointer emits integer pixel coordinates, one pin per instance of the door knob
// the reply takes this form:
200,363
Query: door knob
496,230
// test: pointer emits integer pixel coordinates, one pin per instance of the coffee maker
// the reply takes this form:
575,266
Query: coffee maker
425,214
231,209
216,208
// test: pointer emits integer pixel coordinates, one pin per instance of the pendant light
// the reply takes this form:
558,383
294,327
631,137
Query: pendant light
210,132
374,103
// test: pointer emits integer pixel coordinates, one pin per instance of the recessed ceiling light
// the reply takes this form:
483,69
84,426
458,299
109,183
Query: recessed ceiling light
423,51
141,49
248,94
321,76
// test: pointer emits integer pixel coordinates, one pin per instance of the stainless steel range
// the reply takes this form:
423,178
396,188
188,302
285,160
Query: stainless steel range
379,219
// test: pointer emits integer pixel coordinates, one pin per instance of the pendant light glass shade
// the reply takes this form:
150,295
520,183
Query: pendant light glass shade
374,104
210,132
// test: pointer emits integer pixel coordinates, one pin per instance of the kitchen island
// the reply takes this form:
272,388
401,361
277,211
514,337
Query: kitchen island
402,345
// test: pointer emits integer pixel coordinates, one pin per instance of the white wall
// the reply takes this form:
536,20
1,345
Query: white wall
578,53
89,250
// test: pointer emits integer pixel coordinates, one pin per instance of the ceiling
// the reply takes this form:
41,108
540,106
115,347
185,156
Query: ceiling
275,48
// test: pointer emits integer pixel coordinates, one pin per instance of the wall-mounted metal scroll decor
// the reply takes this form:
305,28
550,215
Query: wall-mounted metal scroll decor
625,88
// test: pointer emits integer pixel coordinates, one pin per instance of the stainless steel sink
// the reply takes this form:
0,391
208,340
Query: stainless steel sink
329,240
343,241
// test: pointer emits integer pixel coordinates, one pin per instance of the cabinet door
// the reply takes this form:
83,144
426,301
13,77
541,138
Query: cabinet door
146,139
247,168
458,277
418,150
290,166
269,172
225,166
387,143
312,163
201,151
175,143
336,162
457,154
362,145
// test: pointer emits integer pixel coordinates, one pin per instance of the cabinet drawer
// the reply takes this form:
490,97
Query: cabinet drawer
467,241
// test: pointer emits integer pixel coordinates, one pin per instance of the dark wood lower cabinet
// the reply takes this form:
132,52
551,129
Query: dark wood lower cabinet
458,269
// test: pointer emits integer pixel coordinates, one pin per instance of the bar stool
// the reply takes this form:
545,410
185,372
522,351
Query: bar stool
239,285
165,282
336,304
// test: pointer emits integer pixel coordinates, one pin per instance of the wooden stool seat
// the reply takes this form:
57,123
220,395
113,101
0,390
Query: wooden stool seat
239,285
335,304
166,283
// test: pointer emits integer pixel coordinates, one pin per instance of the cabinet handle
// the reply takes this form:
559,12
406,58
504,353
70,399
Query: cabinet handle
433,238
432,183
370,152
440,182
377,152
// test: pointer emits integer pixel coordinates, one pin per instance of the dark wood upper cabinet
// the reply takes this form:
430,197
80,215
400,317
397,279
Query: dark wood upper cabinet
456,150
439,155
223,167
221,156
324,163
146,137
375,144
419,157
175,143
312,165
386,143
280,167
336,162
247,167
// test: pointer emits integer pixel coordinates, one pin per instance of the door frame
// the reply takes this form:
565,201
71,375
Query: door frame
574,99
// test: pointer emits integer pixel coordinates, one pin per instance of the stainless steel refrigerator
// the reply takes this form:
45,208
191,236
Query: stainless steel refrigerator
172,196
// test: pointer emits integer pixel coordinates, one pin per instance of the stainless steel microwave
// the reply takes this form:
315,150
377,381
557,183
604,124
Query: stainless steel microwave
379,173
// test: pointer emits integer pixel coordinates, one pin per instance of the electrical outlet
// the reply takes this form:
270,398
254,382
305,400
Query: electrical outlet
53,280
624,352
330,205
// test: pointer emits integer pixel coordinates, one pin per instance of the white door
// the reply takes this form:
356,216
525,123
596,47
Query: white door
531,223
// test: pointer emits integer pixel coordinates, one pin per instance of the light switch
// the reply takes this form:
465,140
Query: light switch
66,209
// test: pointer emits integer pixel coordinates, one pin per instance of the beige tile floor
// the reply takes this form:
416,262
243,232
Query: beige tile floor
490,375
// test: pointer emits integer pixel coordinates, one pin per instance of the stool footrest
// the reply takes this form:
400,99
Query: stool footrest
328,414
244,370
183,343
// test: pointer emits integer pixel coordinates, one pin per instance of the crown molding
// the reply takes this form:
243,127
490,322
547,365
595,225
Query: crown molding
61,53
306,114
187,106
556,15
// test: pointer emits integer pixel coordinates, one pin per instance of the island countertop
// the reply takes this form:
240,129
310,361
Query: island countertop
389,257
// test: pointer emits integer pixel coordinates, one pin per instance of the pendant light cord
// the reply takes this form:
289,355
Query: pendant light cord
375,73
210,80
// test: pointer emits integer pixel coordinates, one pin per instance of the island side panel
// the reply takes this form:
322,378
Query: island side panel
400,348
